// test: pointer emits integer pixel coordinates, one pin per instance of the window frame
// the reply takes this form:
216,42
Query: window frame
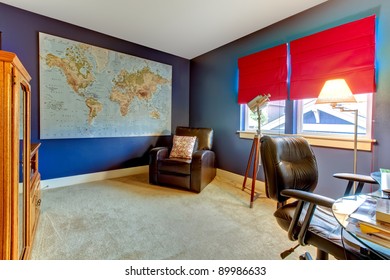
333,140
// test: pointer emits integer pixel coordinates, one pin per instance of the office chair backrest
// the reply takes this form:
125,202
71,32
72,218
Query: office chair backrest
288,163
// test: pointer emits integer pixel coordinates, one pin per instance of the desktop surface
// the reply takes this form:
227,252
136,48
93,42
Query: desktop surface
357,215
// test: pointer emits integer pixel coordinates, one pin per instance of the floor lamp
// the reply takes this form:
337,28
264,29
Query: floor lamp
336,92
255,105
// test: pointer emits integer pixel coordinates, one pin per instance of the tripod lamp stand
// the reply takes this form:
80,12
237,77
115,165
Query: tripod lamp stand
255,105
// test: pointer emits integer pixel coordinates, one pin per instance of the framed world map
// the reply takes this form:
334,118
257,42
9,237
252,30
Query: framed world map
88,91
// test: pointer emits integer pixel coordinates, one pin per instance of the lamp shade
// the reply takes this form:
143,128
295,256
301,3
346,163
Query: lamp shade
335,91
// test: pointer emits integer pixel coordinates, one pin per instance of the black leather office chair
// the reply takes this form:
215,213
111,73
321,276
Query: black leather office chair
290,171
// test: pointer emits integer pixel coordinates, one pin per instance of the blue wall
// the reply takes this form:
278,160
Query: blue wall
60,158
214,90
212,81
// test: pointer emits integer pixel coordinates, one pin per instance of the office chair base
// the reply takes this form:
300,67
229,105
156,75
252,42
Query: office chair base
321,255
286,253
306,257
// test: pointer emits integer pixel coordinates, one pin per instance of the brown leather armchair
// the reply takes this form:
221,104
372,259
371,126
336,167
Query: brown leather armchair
193,174
290,171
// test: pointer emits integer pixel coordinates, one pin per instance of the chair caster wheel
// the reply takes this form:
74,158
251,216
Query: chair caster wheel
306,257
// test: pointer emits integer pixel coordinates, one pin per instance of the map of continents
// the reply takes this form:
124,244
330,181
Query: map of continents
87,91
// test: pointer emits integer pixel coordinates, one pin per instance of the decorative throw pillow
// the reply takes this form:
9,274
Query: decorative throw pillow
183,147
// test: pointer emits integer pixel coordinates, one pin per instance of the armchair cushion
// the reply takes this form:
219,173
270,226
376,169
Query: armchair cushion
175,165
183,147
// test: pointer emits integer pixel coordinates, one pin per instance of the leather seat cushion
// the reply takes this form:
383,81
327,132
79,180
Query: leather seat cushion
324,231
322,224
175,165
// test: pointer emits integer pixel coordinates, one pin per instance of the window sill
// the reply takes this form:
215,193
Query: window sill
323,141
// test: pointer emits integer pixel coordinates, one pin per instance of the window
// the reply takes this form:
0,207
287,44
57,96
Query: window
272,118
324,120
343,52
312,119
321,125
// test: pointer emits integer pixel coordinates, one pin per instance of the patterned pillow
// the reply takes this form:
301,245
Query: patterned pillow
183,147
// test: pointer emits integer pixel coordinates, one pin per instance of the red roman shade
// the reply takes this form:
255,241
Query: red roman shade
264,72
346,51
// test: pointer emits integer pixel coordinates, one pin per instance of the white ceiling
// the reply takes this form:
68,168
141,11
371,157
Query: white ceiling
186,28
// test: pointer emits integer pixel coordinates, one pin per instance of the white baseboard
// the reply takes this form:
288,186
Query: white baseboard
260,186
91,177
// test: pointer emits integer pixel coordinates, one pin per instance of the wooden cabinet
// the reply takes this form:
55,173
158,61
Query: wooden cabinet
19,179
35,191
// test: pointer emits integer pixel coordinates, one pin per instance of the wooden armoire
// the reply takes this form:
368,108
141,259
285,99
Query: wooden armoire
20,178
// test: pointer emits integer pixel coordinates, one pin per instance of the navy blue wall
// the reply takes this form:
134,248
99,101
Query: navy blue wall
213,87
213,90
60,158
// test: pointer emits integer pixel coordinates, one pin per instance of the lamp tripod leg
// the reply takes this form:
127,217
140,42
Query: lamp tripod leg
249,164
255,167
254,154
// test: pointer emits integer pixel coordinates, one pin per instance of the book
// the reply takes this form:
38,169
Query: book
377,227
366,214
364,225
377,237
382,211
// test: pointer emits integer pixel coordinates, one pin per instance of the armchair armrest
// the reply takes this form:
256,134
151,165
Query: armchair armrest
312,200
158,153
203,169
351,178
155,155
203,157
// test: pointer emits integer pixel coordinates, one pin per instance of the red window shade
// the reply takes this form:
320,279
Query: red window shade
264,72
346,51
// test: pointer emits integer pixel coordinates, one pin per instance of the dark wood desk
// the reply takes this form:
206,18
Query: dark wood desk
344,207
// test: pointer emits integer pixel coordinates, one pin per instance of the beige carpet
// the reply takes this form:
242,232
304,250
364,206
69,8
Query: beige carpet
126,218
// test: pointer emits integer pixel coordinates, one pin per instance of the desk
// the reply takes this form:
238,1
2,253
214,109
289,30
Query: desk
365,205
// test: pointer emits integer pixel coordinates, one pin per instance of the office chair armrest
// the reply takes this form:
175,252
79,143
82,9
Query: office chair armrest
309,197
351,178
312,200
355,177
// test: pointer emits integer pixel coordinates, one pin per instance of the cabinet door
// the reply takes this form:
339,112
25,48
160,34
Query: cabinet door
24,167
14,157
21,162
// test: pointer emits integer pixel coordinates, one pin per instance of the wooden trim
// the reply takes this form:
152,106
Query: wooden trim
340,143
91,177
14,60
3,164
364,144
15,151
239,179
6,148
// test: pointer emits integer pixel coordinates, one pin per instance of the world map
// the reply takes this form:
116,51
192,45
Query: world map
88,91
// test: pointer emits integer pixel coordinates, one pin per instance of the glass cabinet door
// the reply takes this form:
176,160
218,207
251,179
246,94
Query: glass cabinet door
22,185
15,109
